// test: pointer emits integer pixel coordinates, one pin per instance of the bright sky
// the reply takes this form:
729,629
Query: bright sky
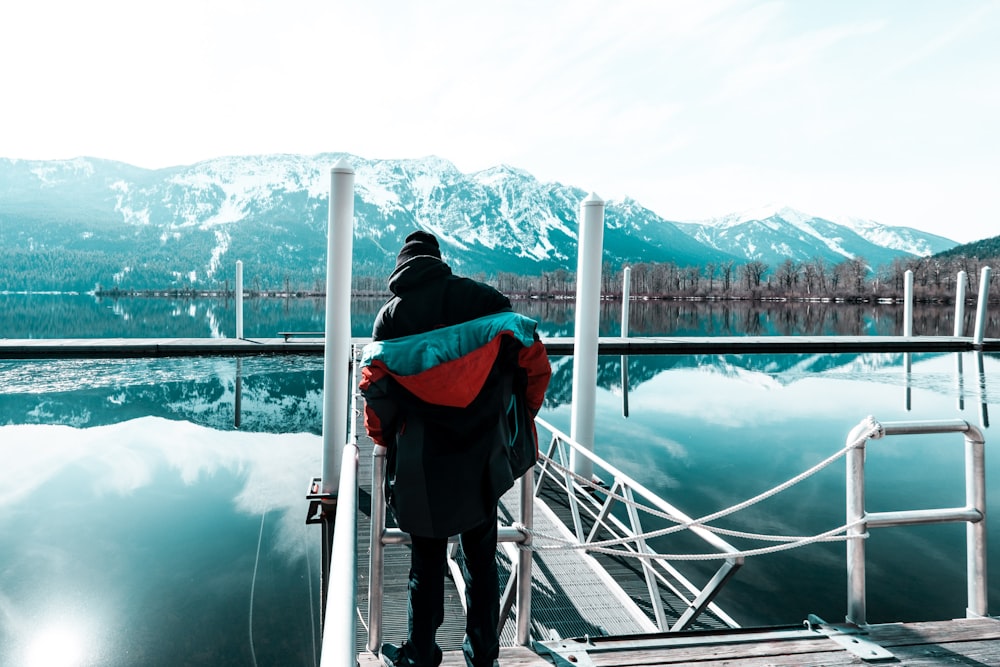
886,110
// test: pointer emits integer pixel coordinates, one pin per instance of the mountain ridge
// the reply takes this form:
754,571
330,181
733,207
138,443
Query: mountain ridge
117,224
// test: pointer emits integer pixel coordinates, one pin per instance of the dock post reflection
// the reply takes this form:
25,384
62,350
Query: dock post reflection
907,378
984,411
959,381
238,400
961,283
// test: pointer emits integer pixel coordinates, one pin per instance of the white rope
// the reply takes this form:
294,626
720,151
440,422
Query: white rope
828,536
874,429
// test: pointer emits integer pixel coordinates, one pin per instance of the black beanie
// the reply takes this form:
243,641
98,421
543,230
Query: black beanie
417,244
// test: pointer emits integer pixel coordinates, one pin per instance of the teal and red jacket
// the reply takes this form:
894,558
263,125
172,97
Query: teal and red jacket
455,408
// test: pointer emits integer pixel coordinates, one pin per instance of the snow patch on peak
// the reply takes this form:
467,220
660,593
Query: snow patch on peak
897,238
762,214
495,176
52,172
222,240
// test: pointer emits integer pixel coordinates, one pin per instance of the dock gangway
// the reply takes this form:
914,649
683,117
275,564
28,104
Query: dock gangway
643,586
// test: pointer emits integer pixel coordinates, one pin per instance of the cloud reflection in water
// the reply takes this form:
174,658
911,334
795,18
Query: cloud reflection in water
148,528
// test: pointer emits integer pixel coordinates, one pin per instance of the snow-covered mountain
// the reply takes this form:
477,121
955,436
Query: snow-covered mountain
72,223
904,239
776,233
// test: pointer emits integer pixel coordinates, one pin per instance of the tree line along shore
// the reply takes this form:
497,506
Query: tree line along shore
853,280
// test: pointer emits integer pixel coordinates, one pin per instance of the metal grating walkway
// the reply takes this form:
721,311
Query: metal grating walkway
573,593
627,573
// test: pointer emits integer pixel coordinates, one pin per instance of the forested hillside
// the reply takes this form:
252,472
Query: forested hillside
986,249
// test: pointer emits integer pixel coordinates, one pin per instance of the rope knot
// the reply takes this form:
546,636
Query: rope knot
875,428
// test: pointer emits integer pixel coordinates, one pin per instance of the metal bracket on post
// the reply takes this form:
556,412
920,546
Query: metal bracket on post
316,498
322,510
566,652
849,636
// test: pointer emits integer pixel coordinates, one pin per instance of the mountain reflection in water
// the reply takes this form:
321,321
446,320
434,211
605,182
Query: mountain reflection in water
83,316
156,542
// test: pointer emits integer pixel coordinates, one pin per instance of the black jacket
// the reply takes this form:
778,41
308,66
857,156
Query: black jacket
450,460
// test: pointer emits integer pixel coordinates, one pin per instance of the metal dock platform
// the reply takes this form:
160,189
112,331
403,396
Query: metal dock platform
588,610
929,644
572,594
599,619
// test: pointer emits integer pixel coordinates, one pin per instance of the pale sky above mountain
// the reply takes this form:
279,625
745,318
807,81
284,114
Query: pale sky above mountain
884,110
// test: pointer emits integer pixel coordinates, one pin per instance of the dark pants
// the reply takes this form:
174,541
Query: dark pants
426,596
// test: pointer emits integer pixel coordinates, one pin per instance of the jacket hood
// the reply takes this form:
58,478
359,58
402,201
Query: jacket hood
416,272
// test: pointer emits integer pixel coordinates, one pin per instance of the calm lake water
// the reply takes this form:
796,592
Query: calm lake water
151,522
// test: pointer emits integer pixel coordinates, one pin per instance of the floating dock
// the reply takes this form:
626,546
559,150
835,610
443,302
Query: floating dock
48,348
928,644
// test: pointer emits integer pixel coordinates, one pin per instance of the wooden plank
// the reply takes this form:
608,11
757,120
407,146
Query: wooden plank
986,652
959,642
932,632
778,652
962,641
510,656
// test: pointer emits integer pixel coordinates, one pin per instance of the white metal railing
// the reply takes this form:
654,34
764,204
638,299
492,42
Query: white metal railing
340,621
339,646
973,513
595,504
657,570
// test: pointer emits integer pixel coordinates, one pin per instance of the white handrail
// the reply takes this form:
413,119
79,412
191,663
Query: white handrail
973,514
702,597
339,644
340,622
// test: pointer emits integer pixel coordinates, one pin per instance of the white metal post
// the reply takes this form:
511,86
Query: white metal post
626,299
376,550
588,309
907,330
239,299
961,284
856,596
626,296
337,350
975,498
523,599
908,305
984,296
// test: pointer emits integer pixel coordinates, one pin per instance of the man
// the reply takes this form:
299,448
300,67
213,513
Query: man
451,383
